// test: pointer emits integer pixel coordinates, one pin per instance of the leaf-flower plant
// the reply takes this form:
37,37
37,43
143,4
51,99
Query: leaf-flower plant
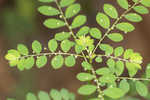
106,82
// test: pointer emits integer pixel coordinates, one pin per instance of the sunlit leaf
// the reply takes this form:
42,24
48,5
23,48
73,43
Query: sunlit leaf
141,9
22,49
87,89
123,3
41,61
116,37
85,77
55,60
133,17
141,88
52,45
64,3
36,46
70,61
95,33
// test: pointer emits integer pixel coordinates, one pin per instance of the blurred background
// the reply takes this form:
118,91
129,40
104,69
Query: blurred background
21,23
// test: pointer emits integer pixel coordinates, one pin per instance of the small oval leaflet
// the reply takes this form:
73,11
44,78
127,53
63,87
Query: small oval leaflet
114,93
125,27
70,61
141,9
123,3
64,3
29,63
85,77
141,88
66,45
83,31
43,95
102,71
78,21
62,36
87,89
22,49
48,10
133,17
46,1
110,11
52,45
53,23
36,46
98,59
55,94
118,51
55,60
31,96
103,20
119,68
72,10
41,61
95,33
124,85
116,37
86,65
107,48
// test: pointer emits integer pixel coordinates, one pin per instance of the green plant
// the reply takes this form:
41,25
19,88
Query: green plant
106,82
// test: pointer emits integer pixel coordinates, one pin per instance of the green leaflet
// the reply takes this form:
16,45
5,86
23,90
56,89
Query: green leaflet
43,95
146,3
141,88
87,89
124,85
114,93
125,27
46,1
62,36
127,53
119,68
148,71
123,3
86,65
70,61
55,60
133,17
103,20
132,68
98,59
36,46
52,45
41,61
64,3
78,21
78,49
22,49
116,37
21,64
55,94
29,62
72,10
83,31
141,9
95,33
110,11
53,23
31,96
85,77
48,10
118,51
107,78
102,71
111,64
66,45
107,48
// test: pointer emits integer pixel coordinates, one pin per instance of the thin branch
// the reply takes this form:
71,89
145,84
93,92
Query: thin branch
134,79
114,25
